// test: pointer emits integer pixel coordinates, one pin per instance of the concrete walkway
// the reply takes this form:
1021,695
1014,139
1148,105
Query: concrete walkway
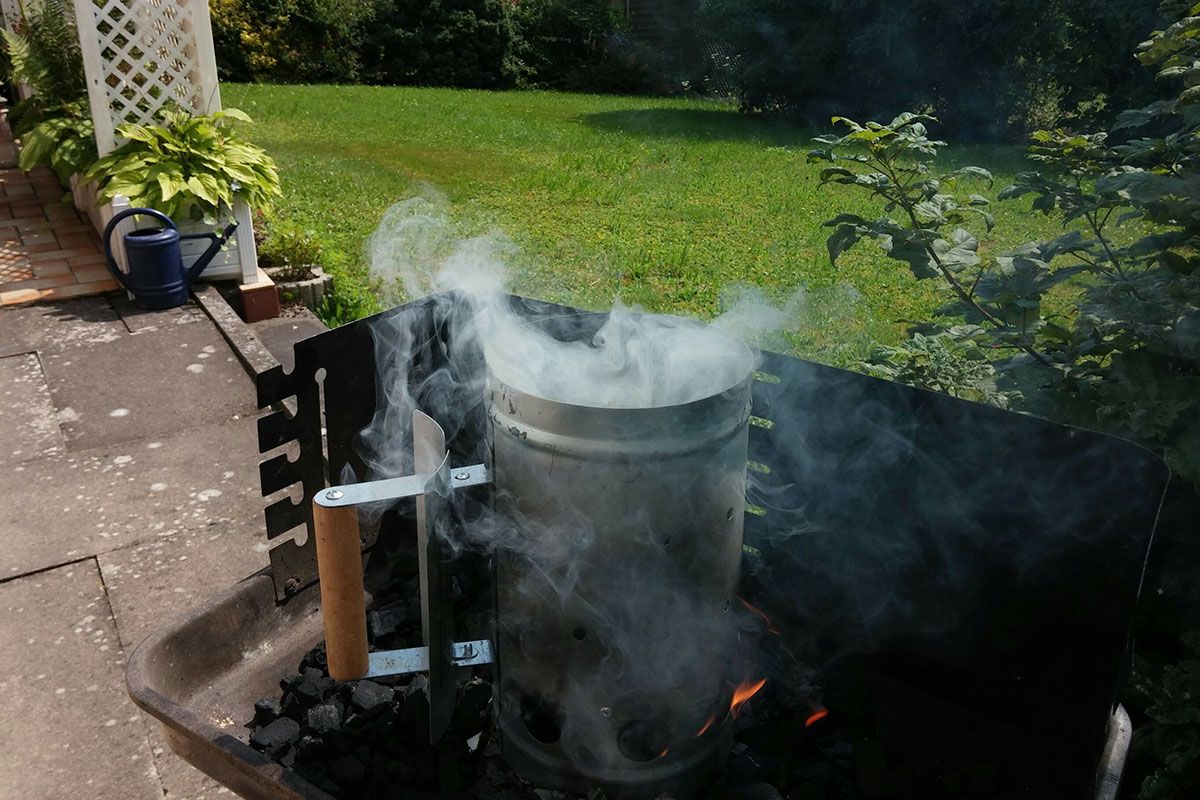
129,455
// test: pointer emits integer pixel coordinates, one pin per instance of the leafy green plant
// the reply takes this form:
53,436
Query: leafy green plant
288,251
947,362
347,302
1172,737
187,166
44,52
895,163
67,143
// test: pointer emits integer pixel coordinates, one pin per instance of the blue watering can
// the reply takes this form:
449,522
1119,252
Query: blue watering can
156,276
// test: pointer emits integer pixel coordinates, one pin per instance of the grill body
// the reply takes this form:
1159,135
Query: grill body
614,590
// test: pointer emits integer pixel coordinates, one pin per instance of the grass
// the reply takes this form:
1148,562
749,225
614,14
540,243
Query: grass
663,202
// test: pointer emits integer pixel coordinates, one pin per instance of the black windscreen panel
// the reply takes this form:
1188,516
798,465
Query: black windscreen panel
963,578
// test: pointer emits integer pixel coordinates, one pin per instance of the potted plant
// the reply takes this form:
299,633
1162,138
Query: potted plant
191,168
292,257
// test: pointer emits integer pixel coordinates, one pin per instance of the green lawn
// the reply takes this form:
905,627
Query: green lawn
662,202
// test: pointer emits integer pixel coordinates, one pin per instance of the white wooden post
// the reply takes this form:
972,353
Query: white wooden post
140,55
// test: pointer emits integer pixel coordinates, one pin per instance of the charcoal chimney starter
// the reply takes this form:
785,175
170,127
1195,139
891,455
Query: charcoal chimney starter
615,641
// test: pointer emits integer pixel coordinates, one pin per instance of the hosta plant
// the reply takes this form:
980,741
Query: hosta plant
66,143
188,167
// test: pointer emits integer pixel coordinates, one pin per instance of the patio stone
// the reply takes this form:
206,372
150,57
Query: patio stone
195,380
27,425
69,730
77,504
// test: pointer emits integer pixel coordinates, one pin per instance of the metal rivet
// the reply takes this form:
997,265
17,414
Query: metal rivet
606,712
461,476
291,585
334,494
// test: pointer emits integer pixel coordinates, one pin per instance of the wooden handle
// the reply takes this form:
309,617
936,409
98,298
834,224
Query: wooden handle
343,603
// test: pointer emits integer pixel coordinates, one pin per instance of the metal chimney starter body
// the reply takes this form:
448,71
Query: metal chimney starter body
615,644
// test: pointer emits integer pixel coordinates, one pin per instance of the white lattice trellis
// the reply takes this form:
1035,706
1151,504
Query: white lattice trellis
143,54
140,55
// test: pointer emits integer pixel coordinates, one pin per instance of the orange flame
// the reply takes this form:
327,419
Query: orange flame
758,613
816,717
664,752
744,692
704,728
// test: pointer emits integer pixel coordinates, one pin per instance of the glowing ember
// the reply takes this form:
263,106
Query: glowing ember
743,693
758,613
816,717
704,728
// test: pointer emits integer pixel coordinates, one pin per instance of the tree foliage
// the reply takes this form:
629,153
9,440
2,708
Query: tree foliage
1127,359
566,44
290,41
994,65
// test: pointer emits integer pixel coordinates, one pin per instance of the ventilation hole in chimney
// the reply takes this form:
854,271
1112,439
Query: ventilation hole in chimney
642,740
729,514
761,422
541,720
579,633
766,377
666,542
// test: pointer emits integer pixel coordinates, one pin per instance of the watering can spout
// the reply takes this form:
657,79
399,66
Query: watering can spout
218,241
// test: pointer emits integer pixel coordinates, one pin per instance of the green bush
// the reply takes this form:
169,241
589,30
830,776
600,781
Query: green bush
286,249
566,44
439,43
289,41
993,67
573,45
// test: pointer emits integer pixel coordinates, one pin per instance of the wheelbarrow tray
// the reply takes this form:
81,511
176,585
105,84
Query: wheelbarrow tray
201,674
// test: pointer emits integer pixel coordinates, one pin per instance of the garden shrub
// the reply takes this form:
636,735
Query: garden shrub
996,66
439,43
289,41
576,45
563,44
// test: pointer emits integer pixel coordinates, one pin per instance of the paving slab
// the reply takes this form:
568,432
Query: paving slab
78,504
53,326
280,333
152,582
28,428
67,727
152,383
139,319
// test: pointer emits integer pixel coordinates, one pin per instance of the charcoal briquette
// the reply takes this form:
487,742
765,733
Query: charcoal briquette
314,686
324,717
369,695
267,710
274,738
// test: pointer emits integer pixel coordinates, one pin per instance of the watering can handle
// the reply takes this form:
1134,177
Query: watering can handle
111,228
